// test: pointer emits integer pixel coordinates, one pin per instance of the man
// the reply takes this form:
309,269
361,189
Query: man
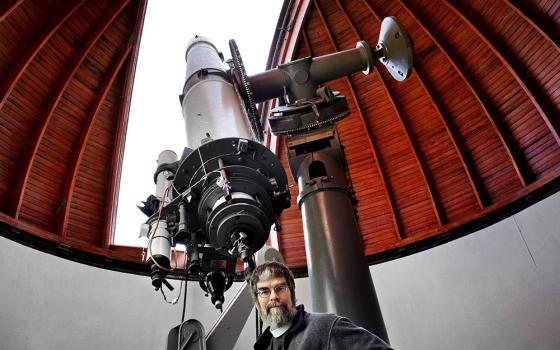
290,327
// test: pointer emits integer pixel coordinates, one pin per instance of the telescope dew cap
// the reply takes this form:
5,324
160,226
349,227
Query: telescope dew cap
199,40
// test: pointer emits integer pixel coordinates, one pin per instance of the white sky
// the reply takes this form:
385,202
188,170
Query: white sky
155,121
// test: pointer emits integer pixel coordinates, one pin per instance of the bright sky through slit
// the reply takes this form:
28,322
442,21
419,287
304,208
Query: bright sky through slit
155,121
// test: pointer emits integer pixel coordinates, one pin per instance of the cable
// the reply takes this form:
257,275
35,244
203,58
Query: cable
184,300
203,166
154,234
186,289
202,162
256,324
174,301
202,179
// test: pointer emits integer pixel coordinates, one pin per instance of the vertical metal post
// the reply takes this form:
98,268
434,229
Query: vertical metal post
338,271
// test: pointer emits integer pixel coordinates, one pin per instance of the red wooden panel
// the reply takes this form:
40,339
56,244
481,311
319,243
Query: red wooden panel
471,136
85,139
42,123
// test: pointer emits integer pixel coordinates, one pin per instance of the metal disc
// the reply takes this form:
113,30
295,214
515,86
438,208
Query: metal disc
397,48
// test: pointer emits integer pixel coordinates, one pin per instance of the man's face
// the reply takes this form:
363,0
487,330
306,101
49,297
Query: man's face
275,303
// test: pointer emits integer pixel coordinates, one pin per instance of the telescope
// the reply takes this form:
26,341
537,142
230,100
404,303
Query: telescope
221,197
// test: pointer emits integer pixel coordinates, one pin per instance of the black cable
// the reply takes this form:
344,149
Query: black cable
256,324
186,288
184,301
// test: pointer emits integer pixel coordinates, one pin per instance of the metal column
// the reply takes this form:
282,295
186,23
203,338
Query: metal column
338,271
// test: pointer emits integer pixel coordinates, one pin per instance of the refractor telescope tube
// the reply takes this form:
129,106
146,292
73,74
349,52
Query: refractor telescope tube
235,212
211,106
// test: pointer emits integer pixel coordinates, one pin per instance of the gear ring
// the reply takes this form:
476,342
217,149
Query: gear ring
242,82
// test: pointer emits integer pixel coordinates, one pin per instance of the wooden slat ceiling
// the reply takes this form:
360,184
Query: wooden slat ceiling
471,137
66,69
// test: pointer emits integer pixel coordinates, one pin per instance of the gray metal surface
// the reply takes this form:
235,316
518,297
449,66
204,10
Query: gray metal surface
300,79
211,107
210,103
202,55
338,271
187,336
227,328
163,180
397,48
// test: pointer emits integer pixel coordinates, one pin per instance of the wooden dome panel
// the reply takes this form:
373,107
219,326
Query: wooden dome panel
466,138
68,68
470,137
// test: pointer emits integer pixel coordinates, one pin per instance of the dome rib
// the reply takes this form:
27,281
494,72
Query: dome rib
533,16
514,119
482,196
9,83
43,121
437,165
471,146
7,8
430,202
372,148
67,69
83,140
514,69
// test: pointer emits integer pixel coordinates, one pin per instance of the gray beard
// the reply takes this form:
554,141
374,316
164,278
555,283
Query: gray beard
277,317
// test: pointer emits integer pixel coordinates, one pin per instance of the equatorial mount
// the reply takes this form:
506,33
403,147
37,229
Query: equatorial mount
310,105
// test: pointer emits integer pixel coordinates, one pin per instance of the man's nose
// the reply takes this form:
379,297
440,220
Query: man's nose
273,294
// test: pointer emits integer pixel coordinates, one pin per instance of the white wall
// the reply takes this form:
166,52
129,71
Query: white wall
496,289
51,303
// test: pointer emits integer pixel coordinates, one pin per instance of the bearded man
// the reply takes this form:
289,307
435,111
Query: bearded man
290,327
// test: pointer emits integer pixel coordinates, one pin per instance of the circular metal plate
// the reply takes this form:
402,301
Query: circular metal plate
397,47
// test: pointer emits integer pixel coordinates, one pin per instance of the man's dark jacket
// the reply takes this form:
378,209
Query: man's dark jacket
323,331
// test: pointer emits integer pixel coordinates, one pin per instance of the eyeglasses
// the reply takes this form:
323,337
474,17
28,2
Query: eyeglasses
265,292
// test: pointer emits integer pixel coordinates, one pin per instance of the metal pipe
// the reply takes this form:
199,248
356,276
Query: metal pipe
339,276
268,84
300,78
338,64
